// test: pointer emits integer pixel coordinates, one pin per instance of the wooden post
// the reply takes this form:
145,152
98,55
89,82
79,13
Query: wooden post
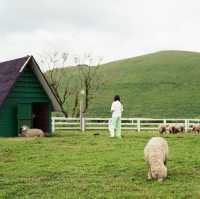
82,120
53,125
138,125
83,124
132,122
186,125
81,116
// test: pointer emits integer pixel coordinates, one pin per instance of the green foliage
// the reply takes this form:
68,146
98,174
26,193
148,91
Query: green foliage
76,165
159,85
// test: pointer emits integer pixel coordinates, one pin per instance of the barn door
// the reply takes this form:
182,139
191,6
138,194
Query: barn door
41,116
24,115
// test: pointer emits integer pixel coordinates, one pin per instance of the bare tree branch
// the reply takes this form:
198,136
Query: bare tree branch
56,77
90,80
67,82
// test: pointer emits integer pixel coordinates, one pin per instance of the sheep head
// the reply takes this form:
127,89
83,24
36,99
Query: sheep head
23,130
159,172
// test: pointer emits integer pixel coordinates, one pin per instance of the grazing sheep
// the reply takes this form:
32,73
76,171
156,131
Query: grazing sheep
172,129
163,128
181,128
176,128
26,132
196,128
156,154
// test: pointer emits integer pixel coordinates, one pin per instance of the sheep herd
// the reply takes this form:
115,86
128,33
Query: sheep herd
177,128
155,151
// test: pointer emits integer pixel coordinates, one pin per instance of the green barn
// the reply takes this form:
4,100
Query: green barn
25,97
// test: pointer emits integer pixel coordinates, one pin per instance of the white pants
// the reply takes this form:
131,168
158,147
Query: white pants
111,128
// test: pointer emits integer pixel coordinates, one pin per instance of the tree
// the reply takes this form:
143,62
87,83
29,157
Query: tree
56,74
91,79
67,82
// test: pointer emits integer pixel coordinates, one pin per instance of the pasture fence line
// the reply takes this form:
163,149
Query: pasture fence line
134,124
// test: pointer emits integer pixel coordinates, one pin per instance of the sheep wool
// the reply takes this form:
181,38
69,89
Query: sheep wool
26,132
156,154
196,128
163,128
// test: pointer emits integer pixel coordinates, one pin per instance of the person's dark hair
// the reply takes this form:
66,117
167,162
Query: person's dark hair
117,97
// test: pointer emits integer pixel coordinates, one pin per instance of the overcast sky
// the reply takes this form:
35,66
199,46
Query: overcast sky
112,29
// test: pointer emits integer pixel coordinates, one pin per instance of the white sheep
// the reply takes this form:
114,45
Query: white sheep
180,127
156,154
26,132
163,128
196,128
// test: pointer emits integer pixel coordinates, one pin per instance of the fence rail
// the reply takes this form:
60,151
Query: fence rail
136,124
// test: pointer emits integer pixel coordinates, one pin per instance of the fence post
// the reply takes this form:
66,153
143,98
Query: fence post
186,125
82,119
138,125
164,121
132,122
82,124
53,124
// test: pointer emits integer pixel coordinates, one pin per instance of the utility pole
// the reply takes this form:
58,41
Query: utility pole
82,119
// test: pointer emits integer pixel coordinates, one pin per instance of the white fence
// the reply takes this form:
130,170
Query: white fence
134,124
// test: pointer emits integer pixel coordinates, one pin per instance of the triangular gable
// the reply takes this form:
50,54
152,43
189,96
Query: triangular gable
45,84
9,73
11,70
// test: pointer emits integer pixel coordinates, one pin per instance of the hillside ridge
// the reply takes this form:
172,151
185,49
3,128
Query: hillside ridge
164,84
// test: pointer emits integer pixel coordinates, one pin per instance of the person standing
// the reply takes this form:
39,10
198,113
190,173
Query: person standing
116,109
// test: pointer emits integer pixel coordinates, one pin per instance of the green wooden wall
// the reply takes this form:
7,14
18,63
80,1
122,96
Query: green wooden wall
26,90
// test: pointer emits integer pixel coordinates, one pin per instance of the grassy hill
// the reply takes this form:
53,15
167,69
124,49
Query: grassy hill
158,85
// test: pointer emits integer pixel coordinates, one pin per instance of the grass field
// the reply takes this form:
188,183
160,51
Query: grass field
80,165
159,85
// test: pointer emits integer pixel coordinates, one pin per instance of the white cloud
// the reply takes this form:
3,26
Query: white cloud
112,29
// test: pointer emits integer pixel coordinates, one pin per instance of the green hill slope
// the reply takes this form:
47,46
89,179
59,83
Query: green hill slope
163,84
159,85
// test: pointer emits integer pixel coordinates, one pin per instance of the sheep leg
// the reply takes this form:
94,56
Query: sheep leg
149,174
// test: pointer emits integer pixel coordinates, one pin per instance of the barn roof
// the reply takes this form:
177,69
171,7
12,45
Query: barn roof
11,70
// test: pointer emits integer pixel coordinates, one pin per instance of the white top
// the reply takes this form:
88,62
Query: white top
116,109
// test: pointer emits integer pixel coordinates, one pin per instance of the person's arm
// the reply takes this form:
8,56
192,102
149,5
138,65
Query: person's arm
122,108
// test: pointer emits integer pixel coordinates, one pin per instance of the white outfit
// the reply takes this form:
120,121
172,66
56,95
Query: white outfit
115,123
116,109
